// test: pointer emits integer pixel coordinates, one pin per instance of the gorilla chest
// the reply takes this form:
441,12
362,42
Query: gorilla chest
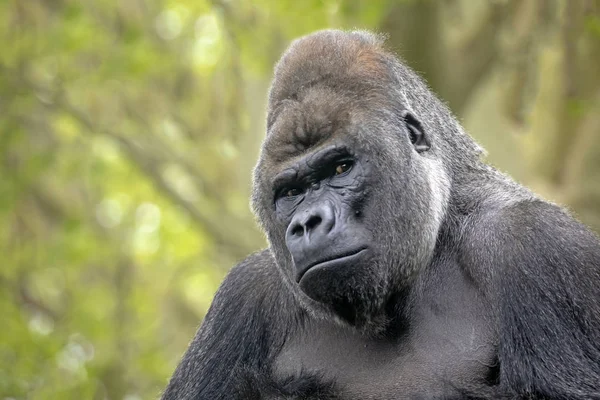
439,358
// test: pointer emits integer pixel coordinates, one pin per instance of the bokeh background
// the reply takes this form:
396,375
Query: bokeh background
128,133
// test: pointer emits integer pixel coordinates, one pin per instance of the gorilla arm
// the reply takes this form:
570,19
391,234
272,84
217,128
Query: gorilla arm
232,353
541,270
236,335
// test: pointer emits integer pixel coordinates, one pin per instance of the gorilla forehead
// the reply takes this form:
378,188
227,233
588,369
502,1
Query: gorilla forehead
347,62
322,82
321,116
324,87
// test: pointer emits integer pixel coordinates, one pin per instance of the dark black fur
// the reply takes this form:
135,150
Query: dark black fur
470,286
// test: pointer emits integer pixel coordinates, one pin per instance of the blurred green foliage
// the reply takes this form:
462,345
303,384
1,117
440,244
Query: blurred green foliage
128,132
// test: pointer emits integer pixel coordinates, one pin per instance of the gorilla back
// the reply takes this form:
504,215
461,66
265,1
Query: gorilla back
400,265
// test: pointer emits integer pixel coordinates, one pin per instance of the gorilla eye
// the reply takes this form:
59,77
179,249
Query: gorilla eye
343,167
292,192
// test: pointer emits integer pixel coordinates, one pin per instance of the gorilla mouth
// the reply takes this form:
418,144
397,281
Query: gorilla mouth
330,261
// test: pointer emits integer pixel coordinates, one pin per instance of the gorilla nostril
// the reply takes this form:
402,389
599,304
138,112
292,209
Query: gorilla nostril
313,222
297,230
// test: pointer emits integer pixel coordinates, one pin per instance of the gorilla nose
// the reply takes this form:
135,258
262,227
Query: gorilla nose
311,224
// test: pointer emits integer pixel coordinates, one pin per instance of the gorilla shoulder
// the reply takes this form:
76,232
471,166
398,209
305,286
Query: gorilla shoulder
237,334
254,280
257,267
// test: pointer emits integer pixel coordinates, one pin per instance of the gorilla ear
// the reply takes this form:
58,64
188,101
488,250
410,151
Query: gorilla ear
417,135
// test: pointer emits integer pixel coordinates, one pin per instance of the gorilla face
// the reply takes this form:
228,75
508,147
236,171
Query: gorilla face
345,200
321,198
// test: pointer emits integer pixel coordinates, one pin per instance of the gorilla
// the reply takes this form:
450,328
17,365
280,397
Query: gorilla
400,265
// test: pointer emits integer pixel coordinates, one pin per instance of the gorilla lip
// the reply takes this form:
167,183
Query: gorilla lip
328,261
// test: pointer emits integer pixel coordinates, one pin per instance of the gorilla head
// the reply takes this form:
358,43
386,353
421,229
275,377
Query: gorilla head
354,177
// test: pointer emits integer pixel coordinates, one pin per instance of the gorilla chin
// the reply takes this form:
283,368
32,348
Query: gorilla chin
337,285
319,281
